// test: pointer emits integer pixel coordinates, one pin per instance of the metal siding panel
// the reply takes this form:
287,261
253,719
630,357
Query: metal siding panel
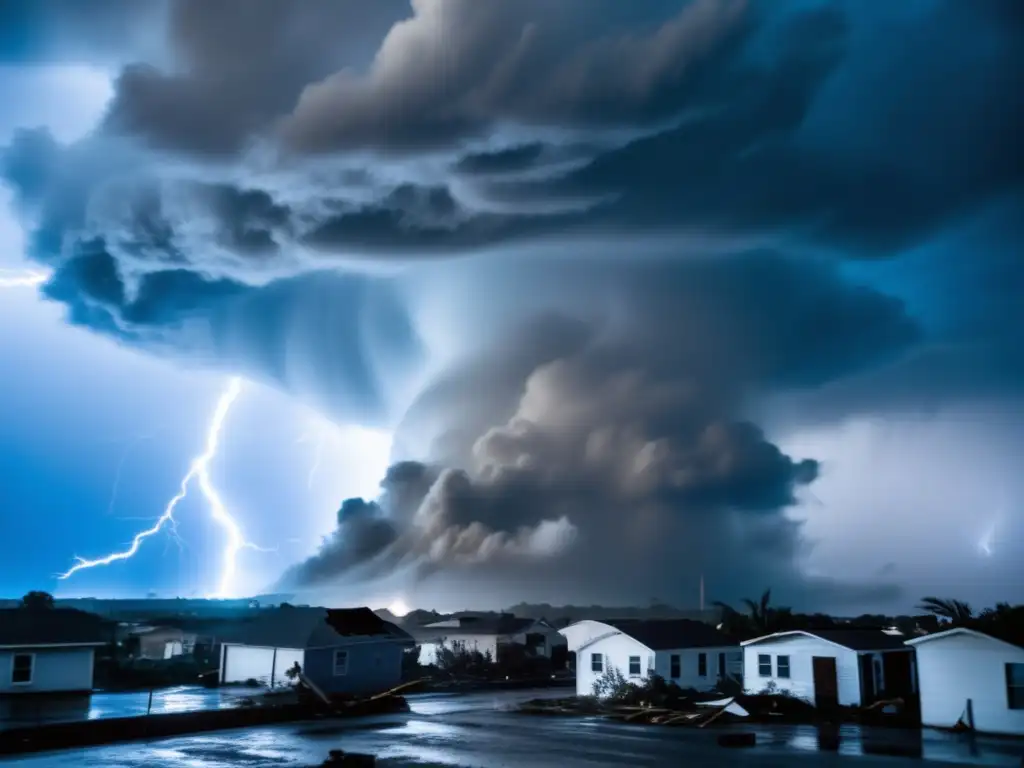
54,670
372,668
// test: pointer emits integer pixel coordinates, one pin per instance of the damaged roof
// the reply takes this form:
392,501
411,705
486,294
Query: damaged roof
668,634
289,627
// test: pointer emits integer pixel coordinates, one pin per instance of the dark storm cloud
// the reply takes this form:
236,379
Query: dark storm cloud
609,413
625,424
240,64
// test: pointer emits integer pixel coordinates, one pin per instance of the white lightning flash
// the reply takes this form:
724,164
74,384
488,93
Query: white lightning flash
24,279
199,471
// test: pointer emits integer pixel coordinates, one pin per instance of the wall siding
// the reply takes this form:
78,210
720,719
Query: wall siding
690,666
615,652
373,667
953,669
801,649
55,670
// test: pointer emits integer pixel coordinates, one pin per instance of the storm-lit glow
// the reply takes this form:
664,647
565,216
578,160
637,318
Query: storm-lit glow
199,471
22,279
398,608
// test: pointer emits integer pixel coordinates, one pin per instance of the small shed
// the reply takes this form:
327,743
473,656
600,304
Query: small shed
830,667
689,653
49,650
968,677
349,651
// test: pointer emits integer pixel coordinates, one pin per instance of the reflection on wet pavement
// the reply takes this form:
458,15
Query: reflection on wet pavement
106,705
476,731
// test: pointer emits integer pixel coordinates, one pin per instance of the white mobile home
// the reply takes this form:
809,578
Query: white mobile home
830,667
689,653
48,650
968,676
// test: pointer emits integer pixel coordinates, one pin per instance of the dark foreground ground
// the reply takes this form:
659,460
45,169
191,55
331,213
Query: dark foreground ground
477,731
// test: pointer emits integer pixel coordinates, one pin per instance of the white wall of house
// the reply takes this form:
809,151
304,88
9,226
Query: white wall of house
689,665
614,651
54,669
479,643
959,666
239,663
801,649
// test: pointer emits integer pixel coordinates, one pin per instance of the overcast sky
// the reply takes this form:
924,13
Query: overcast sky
560,300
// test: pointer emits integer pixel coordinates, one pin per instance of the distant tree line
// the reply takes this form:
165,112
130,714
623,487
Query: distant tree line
760,617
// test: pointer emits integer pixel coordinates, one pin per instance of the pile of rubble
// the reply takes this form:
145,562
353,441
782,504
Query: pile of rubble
682,712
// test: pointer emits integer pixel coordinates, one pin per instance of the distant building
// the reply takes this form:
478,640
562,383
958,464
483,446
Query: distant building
830,667
48,651
967,676
341,651
488,635
164,643
690,653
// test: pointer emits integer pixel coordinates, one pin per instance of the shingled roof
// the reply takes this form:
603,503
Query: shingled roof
289,627
26,627
667,634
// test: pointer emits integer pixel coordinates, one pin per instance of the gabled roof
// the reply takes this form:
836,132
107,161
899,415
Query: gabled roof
312,628
958,631
860,640
667,634
51,626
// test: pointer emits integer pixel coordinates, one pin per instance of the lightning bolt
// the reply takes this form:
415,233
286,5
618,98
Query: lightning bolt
199,472
26,279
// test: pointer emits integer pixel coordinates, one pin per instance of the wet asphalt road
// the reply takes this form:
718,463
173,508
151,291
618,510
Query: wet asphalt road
478,731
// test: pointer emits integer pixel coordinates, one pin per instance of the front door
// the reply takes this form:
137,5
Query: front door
721,666
826,682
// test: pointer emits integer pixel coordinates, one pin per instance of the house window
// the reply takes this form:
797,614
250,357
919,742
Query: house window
634,666
340,663
596,662
764,665
782,667
21,669
702,665
674,666
1015,686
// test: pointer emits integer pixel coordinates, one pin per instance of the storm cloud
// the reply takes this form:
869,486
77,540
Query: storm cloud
570,251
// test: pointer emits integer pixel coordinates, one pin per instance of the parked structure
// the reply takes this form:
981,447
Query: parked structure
489,636
691,654
830,667
341,651
48,651
968,677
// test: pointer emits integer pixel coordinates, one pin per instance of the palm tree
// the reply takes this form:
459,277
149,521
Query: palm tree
760,618
957,611
761,612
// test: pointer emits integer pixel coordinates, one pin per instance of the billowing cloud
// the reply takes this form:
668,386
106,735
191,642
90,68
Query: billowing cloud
620,434
671,218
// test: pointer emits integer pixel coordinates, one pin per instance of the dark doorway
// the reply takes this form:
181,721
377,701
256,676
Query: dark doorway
899,674
826,682
721,666
560,656
868,695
